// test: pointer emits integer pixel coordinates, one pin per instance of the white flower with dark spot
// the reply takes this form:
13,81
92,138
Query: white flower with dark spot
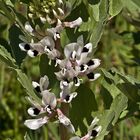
36,123
77,63
66,95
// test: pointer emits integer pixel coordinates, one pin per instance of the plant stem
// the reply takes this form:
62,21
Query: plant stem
64,134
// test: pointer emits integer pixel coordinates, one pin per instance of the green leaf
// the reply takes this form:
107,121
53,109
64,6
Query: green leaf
109,117
96,28
137,2
131,91
107,98
94,9
118,106
14,33
75,3
133,7
26,83
6,57
7,12
105,120
82,107
126,78
49,70
110,87
115,7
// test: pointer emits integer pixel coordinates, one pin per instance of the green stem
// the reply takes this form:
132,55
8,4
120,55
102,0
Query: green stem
64,134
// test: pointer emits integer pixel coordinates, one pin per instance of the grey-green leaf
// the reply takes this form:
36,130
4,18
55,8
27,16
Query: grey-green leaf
7,58
26,83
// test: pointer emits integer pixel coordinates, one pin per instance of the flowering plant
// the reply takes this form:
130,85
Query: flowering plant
64,44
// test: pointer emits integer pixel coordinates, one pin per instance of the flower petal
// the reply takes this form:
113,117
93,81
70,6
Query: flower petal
32,53
44,82
35,123
95,132
65,121
28,27
74,23
48,41
48,98
62,118
32,111
93,64
68,50
36,86
68,98
87,48
24,46
92,77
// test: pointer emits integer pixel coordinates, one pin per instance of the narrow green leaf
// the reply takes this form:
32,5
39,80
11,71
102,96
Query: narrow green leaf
26,83
7,58
6,11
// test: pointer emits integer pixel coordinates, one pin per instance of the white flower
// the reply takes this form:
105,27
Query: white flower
29,28
74,23
65,121
94,130
66,95
49,100
45,45
42,85
36,123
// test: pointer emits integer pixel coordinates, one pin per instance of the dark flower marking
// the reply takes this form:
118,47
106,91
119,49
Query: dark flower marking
36,111
35,52
90,63
90,75
94,133
85,49
27,47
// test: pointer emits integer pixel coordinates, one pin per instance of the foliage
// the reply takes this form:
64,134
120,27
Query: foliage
113,28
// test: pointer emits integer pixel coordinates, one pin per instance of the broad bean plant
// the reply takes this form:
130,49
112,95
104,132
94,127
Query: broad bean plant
64,36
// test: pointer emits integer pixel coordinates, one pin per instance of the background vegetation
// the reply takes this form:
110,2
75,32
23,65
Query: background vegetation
119,51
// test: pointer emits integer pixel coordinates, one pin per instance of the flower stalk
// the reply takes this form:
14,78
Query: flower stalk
64,133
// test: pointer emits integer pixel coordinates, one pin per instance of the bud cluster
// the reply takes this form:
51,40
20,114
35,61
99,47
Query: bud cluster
49,11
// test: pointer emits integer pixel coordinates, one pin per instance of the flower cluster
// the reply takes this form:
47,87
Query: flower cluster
47,110
78,62
47,43
75,65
